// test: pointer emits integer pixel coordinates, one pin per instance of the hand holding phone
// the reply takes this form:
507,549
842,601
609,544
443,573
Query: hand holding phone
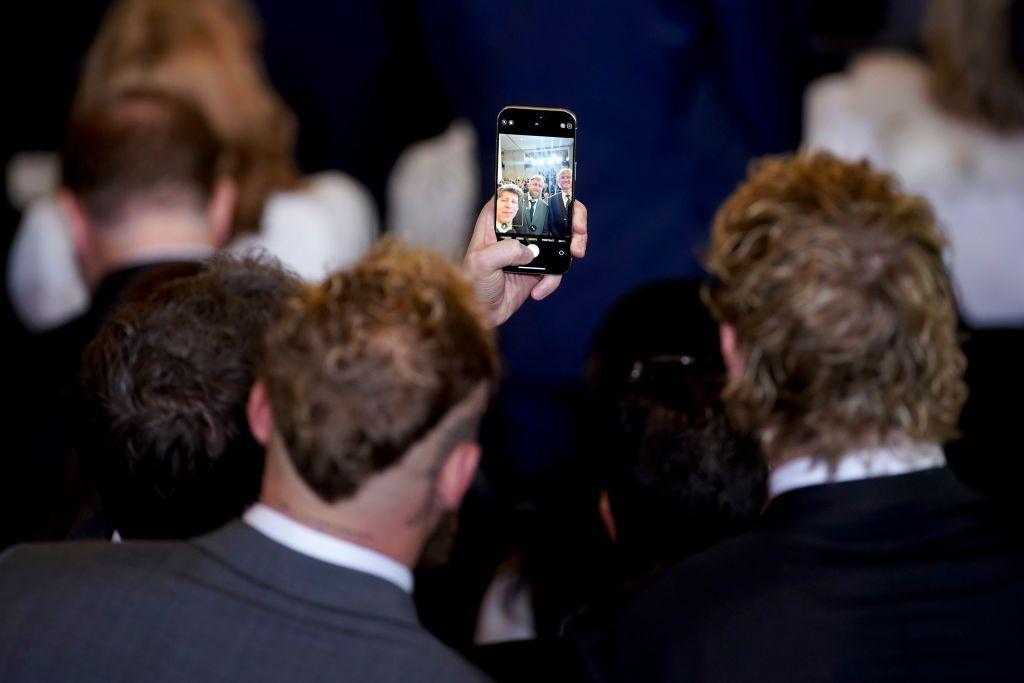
487,260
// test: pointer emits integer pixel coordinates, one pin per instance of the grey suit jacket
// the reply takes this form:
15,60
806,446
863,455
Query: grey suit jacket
229,606
539,224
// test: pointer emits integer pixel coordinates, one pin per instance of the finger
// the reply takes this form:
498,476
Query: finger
483,229
546,286
578,246
496,256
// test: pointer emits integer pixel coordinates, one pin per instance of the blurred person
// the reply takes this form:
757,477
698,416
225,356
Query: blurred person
677,480
508,218
950,124
839,335
147,199
667,474
368,404
431,191
162,428
560,205
205,51
675,475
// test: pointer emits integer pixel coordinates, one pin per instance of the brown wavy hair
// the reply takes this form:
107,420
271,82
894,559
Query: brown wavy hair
844,314
970,49
366,364
204,51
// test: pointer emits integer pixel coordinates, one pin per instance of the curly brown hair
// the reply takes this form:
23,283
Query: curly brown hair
834,282
366,364
162,425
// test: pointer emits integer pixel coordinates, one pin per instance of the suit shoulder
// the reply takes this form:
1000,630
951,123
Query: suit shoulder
712,580
75,565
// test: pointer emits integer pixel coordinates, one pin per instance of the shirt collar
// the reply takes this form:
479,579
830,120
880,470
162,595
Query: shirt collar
864,464
302,539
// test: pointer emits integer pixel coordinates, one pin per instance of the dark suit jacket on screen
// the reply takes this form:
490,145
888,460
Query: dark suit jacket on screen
231,605
559,219
910,577
541,223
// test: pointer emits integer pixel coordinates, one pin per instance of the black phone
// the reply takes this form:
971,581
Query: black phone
536,184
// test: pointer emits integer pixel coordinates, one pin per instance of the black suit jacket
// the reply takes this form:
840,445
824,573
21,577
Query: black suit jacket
910,577
44,491
231,605
560,221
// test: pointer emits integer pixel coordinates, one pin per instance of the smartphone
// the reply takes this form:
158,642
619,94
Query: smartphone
536,184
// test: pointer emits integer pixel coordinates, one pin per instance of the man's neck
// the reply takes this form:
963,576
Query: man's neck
150,237
370,517
312,542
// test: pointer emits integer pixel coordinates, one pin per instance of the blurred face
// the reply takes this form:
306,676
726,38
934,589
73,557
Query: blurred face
508,205
535,188
565,182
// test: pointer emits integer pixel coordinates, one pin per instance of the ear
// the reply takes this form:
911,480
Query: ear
220,210
261,419
604,510
82,236
457,474
731,352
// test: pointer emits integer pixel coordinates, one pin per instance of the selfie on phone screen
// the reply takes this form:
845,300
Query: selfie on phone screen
535,183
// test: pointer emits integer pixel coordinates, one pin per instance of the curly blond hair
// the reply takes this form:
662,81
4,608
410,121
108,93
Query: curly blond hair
834,282
366,364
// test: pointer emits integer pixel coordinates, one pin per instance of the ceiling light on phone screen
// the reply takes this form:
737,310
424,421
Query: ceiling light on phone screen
510,122
561,125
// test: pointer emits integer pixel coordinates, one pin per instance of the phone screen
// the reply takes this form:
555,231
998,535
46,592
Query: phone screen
536,183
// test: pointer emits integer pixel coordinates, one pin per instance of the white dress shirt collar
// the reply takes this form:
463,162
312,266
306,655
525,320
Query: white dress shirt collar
877,462
302,539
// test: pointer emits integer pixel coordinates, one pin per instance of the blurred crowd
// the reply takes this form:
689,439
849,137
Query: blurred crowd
279,412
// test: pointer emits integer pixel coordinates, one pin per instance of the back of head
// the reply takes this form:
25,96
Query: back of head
679,477
144,149
368,363
165,385
844,316
204,51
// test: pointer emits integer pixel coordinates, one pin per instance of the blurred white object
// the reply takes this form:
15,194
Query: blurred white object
506,610
880,109
329,223
31,176
43,280
432,191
